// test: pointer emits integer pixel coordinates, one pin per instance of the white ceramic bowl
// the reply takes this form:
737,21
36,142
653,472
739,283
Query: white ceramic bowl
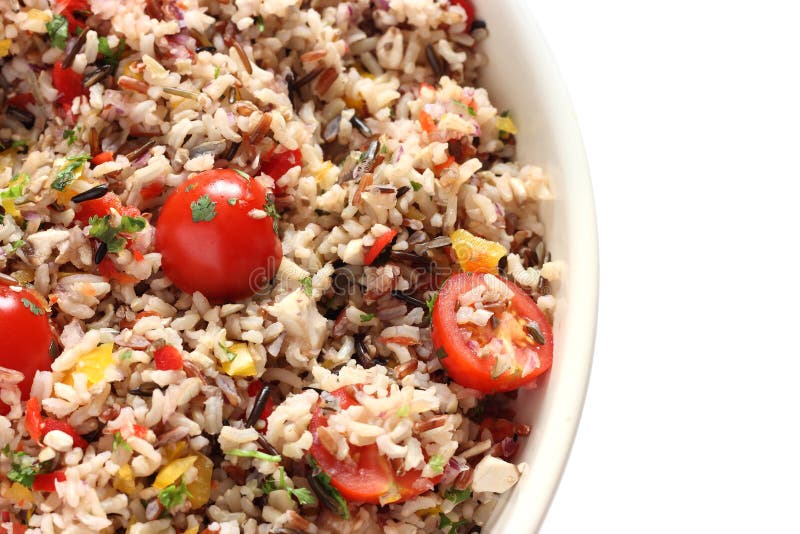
522,77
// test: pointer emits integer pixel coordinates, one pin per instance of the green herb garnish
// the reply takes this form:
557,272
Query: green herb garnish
58,30
259,23
232,201
254,454
308,289
416,186
303,495
242,174
119,441
367,317
467,108
430,303
70,135
269,207
111,57
174,495
445,522
440,353
34,309
321,483
228,352
457,496
23,469
126,355
17,244
102,230
69,173
436,463
203,209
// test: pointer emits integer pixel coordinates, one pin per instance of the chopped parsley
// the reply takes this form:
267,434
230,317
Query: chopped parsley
467,108
232,201
308,289
321,482
269,207
445,522
126,355
119,441
17,143
242,174
58,30
111,57
457,496
404,411
259,23
431,302
258,455
303,495
174,495
367,317
228,352
416,186
440,353
23,469
34,309
71,136
203,209
68,174
216,72
102,230
436,463
17,244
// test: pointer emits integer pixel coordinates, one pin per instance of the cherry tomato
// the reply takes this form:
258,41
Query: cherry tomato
503,355
102,206
49,424
25,335
47,481
468,8
168,358
365,476
68,83
276,164
380,243
208,240
68,8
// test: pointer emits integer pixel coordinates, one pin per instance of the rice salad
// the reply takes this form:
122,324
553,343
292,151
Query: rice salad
267,266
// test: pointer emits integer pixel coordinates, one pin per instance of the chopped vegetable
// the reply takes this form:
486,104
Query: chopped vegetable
436,463
14,191
321,484
168,358
367,317
102,230
240,361
457,496
258,455
380,244
58,31
93,364
172,496
505,124
200,487
23,467
102,157
173,471
47,481
416,186
124,481
119,441
308,289
70,172
476,254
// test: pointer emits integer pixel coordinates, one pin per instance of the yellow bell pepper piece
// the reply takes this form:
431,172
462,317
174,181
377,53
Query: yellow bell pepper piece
173,471
173,450
191,530
19,494
124,481
93,364
200,488
241,362
475,254
5,46
505,124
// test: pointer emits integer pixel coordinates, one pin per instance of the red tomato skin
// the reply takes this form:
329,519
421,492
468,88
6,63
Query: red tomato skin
371,475
101,207
227,258
168,359
25,336
33,419
469,8
68,8
22,100
460,362
68,83
276,164
49,424
102,157
380,243
47,481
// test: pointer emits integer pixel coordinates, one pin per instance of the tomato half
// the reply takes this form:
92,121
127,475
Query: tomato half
504,354
25,334
365,476
210,243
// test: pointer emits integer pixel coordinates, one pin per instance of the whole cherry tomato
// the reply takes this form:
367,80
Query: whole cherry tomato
25,335
214,238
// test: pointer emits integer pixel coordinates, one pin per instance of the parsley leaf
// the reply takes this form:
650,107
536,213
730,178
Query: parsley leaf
68,174
440,353
321,482
254,454
111,57
416,186
173,495
469,109
259,23
16,244
308,289
228,352
431,302
119,441
58,30
269,207
23,469
126,355
445,522
34,309
71,136
232,201
242,174
436,463
216,72
103,231
367,317
457,496
303,495
203,209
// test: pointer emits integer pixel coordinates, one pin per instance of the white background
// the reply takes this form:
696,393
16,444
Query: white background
690,112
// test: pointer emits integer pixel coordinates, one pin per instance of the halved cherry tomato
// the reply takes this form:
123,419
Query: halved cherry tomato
210,242
68,8
102,157
275,164
168,358
380,243
365,476
47,481
25,335
504,354
468,8
49,424
102,206
68,83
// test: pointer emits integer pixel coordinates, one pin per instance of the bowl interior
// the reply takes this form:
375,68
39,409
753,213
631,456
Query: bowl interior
522,77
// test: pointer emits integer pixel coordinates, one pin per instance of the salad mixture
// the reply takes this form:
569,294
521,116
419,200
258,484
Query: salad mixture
267,266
